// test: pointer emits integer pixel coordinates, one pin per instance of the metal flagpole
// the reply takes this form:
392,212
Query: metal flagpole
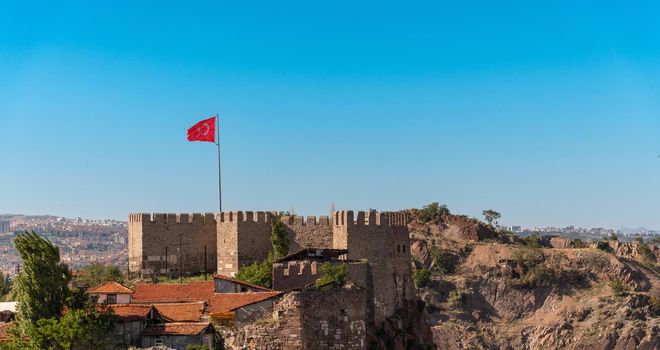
217,126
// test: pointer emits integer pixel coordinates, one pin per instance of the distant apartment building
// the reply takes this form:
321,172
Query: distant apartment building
5,226
516,229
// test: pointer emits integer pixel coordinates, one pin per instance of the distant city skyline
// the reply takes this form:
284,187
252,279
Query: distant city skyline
550,117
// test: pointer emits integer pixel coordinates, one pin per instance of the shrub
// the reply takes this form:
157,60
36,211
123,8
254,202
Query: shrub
618,287
456,298
536,276
332,273
422,277
433,212
654,302
279,238
532,241
647,254
444,261
259,273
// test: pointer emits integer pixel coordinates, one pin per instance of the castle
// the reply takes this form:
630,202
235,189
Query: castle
377,242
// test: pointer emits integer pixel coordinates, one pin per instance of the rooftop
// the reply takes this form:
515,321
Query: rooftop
8,306
172,293
131,312
110,288
181,312
237,281
4,327
176,328
223,302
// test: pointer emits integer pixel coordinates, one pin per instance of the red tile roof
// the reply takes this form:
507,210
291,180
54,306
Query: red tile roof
4,327
131,312
223,302
237,281
172,293
181,312
177,328
110,288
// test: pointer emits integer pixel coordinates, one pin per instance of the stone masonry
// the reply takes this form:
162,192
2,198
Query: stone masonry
166,243
331,318
235,239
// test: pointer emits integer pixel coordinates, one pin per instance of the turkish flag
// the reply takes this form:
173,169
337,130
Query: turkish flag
203,131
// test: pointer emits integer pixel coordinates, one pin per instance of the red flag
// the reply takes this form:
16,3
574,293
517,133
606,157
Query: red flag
203,131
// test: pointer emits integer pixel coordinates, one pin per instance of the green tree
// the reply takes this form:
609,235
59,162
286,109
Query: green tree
491,216
259,273
445,262
433,211
96,273
618,287
336,273
5,286
41,291
41,286
422,277
279,238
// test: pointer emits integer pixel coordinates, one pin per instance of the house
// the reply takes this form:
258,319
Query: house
197,301
302,268
181,312
236,309
172,292
7,311
179,335
4,335
112,293
131,321
226,284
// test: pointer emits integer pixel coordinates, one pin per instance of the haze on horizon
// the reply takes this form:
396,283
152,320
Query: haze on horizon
547,114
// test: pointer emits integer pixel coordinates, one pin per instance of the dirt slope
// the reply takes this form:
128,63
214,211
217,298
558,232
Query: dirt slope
505,295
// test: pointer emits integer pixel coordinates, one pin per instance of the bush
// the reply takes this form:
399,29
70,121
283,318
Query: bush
456,298
647,254
532,241
433,212
536,276
654,302
422,277
618,287
259,273
444,261
332,273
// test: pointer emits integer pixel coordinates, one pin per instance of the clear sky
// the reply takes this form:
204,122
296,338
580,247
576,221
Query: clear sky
549,114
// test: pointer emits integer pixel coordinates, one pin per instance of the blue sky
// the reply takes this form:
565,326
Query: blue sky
549,114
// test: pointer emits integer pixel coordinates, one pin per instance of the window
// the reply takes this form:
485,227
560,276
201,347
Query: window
158,341
111,299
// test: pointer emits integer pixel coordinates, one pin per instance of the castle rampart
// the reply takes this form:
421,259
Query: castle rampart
243,238
382,239
166,244
311,233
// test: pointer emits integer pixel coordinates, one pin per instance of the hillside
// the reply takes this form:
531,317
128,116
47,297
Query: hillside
494,290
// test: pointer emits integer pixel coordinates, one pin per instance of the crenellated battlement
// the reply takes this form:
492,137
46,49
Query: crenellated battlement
311,220
371,218
171,218
246,216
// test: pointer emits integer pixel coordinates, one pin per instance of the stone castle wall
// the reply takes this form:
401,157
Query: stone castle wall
311,233
167,243
295,274
243,238
333,318
383,240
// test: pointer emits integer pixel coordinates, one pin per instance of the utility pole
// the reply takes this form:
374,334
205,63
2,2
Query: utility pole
181,257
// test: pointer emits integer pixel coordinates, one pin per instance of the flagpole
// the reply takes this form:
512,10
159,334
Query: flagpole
217,126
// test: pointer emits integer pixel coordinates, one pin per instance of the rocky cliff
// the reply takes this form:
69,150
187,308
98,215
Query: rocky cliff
495,291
